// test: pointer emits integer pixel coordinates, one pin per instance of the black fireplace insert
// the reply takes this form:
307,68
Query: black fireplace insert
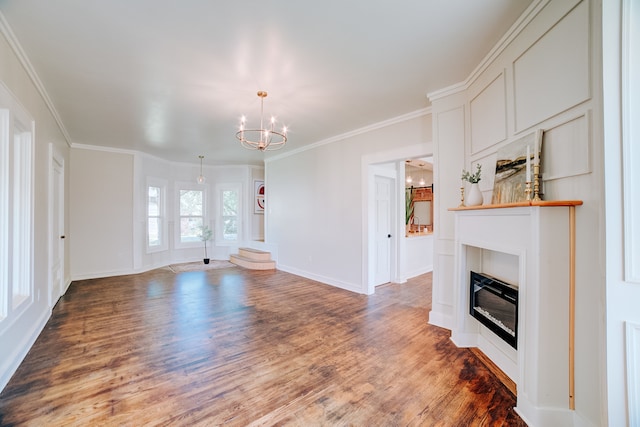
495,304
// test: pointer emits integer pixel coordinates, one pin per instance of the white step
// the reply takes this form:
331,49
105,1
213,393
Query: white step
254,254
253,264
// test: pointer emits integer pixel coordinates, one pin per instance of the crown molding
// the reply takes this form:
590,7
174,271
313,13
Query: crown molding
11,38
104,148
513,32
394,120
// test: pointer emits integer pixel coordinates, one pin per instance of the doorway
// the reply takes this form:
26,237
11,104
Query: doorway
407,257
57,286
382,229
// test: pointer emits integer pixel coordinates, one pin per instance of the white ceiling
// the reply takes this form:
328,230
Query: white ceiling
172,78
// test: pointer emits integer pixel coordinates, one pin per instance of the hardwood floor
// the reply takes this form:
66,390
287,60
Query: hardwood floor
236,347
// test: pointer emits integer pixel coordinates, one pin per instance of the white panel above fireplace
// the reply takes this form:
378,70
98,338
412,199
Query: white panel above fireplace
501,265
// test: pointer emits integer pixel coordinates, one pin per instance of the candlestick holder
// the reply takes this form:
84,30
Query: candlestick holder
527,189
462,205
536,183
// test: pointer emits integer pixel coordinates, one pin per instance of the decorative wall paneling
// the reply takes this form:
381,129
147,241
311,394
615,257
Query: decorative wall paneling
488,115
449,128
566,149
564,52
488,162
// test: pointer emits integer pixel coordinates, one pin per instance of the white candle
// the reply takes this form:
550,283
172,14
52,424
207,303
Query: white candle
528,173
535,153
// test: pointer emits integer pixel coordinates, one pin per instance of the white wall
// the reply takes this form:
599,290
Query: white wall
418,256
315,200
546,75
108,210
101,213
17,338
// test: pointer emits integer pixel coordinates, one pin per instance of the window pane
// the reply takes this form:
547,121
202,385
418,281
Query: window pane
191,202
230,228
190,229
154,231
154,201
229,203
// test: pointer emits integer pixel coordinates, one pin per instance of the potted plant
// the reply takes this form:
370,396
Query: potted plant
408,209
474,197
205,234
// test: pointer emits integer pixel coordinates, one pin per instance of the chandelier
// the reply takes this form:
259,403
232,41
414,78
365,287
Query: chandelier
201,179
262,139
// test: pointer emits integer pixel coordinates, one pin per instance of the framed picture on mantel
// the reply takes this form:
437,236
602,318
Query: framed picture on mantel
514,167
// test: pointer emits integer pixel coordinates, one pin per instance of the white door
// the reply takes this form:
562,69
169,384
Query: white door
57,285
383,236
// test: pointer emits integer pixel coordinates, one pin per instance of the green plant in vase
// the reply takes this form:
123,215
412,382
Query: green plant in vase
472,178
474,196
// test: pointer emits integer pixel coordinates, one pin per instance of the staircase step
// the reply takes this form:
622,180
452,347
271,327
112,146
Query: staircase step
253,264
254,254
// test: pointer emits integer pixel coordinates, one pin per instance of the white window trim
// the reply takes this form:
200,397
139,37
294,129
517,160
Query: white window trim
205,220
162,184
4,214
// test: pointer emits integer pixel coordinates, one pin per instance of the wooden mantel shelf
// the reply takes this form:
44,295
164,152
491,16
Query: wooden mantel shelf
542,203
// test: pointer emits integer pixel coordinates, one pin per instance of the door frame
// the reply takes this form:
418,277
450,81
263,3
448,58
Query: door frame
369,163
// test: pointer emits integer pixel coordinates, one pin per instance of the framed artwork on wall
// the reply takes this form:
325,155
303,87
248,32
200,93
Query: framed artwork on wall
512,167
259,199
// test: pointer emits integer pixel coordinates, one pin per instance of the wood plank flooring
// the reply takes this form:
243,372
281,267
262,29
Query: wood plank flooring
236,347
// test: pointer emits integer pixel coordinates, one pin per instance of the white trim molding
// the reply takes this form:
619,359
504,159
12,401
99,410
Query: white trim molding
633,372
631,136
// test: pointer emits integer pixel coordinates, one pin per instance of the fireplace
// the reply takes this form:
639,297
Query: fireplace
495,304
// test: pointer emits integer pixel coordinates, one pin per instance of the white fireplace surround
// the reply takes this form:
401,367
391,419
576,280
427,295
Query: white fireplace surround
527,246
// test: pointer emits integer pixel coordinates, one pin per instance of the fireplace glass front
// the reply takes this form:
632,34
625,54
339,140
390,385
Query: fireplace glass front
495,304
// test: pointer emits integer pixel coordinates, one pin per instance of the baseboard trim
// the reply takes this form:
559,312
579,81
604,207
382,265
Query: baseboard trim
323,279
13,362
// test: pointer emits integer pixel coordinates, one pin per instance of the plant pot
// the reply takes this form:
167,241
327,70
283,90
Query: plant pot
474,196
206,260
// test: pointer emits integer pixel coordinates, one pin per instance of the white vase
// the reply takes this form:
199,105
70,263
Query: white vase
474,196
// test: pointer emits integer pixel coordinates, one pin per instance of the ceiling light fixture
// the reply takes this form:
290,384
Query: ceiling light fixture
201,178
421,176
409,179
261,139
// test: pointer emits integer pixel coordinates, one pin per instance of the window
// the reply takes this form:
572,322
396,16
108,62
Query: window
191,212
156,216
154,220
229,213
16,209
4,212
22,218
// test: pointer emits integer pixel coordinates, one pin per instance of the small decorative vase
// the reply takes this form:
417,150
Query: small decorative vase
474,196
